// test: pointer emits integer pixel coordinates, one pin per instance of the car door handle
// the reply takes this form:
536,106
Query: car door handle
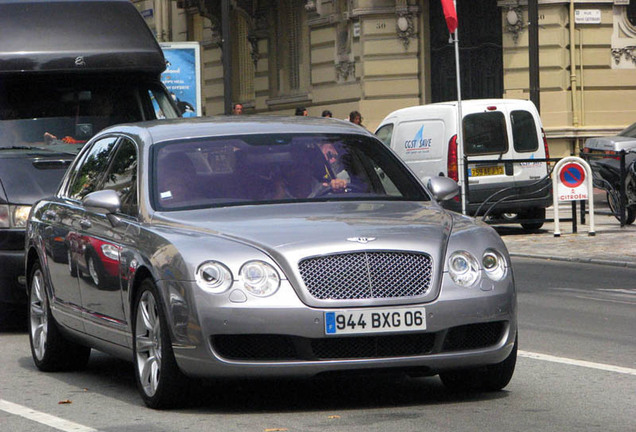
85,223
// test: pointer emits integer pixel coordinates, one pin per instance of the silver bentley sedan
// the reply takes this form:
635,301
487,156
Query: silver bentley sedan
263,247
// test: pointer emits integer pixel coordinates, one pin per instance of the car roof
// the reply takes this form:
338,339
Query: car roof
199,127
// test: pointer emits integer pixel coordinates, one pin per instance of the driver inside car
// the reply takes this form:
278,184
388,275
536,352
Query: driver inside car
336,178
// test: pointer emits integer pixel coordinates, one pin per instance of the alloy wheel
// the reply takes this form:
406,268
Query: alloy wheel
38,315
148,343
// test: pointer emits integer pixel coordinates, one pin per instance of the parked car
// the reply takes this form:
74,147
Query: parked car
495,133
610,146
67,69
604,154
263,246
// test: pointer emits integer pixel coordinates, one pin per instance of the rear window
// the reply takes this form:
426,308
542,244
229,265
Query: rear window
485,133
524,131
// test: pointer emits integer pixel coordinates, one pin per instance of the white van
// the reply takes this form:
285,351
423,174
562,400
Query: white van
495,132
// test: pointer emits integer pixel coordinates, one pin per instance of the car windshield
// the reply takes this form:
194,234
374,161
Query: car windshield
629,131
61,114
277,168
53,134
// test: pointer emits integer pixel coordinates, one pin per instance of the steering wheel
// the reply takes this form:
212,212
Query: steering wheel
326,189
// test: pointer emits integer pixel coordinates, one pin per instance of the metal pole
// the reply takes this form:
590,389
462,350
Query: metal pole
533,41
460,136
227,56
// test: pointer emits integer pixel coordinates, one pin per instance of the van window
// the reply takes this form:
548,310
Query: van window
524,131
485,133
62,113
385,133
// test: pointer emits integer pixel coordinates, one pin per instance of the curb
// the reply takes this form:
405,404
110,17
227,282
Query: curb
624,264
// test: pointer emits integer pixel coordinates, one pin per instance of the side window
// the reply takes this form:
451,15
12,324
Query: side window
89,170
524,131
485,133
122,177
385,133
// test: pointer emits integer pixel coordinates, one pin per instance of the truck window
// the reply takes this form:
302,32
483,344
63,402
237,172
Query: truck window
524,131
485,133
63,114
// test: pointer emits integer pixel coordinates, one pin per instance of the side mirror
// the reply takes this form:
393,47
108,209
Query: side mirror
106,200
443,188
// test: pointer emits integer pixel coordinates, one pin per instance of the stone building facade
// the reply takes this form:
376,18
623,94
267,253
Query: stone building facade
375,56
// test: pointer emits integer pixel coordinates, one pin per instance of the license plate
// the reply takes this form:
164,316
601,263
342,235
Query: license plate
375,321
485,171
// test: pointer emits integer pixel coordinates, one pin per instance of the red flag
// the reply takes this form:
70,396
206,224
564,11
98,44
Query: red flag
451,15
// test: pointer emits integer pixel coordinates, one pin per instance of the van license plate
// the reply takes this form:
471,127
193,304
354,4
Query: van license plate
375,321
486,171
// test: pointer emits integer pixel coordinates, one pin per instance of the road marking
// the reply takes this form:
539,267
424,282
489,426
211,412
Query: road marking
582,363
43,418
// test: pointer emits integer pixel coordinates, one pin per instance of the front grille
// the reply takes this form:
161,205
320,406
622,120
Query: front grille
367,275
270,347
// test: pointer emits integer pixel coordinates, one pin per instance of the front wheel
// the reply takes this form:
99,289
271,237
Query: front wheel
50,350
488,378
159,380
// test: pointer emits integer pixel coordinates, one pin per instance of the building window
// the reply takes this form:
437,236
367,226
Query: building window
631,12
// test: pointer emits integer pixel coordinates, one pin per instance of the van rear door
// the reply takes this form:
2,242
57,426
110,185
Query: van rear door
487,145
527,139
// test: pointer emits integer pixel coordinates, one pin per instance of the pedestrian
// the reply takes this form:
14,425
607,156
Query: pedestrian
301,111
237,109
327,113
356,118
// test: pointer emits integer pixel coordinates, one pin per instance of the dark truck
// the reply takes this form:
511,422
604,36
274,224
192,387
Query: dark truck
68,69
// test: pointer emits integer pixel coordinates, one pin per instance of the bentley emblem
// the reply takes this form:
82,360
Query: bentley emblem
362,240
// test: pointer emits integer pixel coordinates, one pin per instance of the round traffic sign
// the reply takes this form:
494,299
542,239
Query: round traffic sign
572,175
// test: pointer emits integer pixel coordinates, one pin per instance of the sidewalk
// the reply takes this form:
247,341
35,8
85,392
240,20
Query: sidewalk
612,245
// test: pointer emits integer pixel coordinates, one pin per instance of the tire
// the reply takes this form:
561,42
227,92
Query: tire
612,202
160,382
50,350
534,213
484,379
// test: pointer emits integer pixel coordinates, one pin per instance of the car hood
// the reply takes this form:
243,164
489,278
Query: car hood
614,143
30,178
310,229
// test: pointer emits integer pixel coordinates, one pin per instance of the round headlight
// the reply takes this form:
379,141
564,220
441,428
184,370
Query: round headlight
214,277
463,268
494,265
259,278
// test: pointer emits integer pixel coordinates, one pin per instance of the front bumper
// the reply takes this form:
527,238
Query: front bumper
280,336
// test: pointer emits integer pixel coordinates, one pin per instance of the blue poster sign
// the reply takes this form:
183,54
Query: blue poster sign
182,75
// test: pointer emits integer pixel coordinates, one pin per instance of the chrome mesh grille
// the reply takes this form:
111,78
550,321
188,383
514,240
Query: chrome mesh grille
367,275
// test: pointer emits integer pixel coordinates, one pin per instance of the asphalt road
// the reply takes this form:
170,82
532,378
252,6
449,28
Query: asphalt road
576,372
